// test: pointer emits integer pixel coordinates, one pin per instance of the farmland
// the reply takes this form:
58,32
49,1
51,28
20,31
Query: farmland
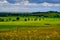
40,33
40,29
29,22
30,27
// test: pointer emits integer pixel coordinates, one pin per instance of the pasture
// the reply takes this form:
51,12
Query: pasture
29,28
20,22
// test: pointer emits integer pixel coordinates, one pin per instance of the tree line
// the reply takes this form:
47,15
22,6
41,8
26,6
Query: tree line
18,19
39,14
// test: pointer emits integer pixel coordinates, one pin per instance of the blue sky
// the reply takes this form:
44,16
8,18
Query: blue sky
29,5
39,1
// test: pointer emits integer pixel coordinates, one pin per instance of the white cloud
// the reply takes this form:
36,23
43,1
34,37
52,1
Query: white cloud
25,2
3,1
49,4
18,2
25,5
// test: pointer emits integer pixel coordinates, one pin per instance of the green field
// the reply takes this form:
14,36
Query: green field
29,28
29,22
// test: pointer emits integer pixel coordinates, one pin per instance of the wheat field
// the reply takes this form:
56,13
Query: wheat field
40,33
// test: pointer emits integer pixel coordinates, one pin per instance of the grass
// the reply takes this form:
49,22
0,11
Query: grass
43,29
39,23
40,33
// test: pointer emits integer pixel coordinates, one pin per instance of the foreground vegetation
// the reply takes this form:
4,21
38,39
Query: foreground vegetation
30,26
40,33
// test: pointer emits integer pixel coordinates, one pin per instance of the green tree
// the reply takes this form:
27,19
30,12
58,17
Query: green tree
17,18
39,19
9,19
35,19
28,19
2,20
25,19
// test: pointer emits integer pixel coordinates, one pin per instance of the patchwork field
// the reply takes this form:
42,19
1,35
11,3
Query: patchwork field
29,28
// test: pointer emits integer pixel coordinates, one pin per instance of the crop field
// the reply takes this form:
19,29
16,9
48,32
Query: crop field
40,33
29,28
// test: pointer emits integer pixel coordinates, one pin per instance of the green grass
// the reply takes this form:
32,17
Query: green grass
43,22
44,27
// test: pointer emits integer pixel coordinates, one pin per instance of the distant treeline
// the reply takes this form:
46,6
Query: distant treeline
5,14
40,14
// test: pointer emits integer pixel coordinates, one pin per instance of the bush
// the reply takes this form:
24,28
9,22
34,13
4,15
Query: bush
2,20
39,19
35,19
25,19
9,19
47,24
17,18
28,19
13,20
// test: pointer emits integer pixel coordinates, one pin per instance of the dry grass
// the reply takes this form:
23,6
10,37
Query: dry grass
41,33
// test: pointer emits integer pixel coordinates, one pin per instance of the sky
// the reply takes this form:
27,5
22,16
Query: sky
29,5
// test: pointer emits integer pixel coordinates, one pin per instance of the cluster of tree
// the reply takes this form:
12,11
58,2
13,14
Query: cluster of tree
53,14
34,19
5,14
18,19
9,19
1,19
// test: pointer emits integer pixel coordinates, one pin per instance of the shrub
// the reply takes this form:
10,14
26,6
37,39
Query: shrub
39,19
35,19
2,20
25,19
9,19
47,24
13,20
28,19
17,18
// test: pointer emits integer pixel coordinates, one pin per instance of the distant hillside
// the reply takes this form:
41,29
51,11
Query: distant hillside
40,14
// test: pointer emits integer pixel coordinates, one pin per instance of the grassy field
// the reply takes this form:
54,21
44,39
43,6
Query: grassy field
29,22
30,28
